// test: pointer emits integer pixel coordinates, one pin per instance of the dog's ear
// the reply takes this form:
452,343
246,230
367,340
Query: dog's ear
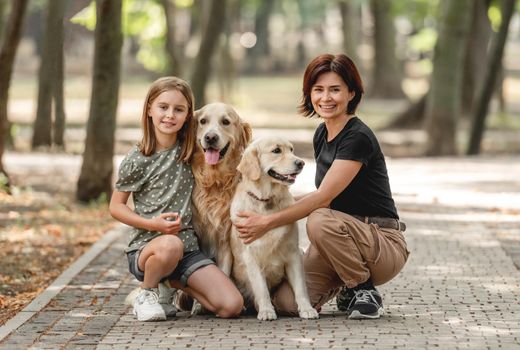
246,135
249,165
197,113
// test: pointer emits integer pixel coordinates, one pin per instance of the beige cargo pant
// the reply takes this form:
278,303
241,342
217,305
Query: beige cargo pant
343,251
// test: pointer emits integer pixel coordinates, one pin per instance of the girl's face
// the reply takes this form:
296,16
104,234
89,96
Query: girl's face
330,96
168,111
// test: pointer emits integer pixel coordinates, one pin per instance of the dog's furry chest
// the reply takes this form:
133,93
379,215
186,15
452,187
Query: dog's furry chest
211,217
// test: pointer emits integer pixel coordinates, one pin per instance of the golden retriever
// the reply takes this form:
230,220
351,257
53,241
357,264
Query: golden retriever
268,167
221,137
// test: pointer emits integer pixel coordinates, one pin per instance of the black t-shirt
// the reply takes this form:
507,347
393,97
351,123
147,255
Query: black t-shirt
369,192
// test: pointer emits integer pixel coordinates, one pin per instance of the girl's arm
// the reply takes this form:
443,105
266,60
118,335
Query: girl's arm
166,223
336,180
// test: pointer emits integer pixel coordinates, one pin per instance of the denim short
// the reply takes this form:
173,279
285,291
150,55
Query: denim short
190,262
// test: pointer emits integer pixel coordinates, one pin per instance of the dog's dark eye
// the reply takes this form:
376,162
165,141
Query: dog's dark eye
225,122
277,150
202,121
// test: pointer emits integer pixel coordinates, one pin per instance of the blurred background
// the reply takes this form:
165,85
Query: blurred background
252,53
442,78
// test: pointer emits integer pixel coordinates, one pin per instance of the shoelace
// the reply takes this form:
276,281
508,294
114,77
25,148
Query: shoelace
148,297
365,296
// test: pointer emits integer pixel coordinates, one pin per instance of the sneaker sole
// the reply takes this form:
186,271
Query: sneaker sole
153,318
356,315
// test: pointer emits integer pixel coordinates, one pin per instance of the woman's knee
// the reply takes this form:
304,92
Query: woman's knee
316,230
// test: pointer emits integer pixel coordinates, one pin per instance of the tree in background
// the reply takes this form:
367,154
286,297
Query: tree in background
95,179
476,60
3,6
7,54
208,45
226,72
490,78
351,24
258,57
50,80
172,51
443,102
386,76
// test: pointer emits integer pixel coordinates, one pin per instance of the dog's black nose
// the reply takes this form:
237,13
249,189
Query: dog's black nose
299,163
211,138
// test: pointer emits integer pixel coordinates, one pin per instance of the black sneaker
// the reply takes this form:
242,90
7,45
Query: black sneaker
344,298
366,304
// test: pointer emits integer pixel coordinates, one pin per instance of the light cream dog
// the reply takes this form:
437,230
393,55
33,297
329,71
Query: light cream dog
268,167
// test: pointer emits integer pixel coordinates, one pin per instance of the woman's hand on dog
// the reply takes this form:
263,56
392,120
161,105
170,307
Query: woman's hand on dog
167,223
252,227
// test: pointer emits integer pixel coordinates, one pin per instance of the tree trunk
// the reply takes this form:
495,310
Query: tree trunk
95,179
443,103
172,51
490,79
52,43
386,78
226,72
258,55
12,37
208,44
351,25
476,54
59,101
3,6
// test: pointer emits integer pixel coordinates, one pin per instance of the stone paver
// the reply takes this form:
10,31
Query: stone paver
459,289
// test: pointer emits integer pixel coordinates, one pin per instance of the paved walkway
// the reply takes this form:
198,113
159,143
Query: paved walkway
459,289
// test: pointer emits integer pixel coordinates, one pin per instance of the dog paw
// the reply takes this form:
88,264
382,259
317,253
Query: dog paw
309,313
266,315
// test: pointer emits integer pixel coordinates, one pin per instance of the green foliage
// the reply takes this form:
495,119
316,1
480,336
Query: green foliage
183,3
101,201
4,183
424,40
495,16
144,21
417,11
86,17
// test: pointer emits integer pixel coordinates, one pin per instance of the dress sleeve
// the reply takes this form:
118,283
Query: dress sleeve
130,176
356,147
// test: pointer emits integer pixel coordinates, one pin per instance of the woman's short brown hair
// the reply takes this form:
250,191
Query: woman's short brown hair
185,136
340,64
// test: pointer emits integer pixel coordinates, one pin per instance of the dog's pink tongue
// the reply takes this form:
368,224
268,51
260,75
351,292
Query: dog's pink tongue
212,156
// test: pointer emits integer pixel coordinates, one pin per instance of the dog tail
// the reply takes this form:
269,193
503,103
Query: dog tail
130,298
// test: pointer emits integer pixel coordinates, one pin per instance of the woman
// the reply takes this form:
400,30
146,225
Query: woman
356,237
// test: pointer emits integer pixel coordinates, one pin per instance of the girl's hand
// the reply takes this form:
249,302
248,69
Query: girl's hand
167,223
252,227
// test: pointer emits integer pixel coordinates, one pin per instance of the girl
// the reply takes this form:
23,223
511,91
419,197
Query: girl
163,245
356,237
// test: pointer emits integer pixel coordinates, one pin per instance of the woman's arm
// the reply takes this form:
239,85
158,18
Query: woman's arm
339,176
121,212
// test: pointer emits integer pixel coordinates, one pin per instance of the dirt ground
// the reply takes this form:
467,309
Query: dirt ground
42,231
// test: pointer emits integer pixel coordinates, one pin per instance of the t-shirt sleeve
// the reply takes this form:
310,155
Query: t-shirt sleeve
130,176
355,147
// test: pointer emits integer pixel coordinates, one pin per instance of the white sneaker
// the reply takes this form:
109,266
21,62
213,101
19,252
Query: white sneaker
166,294
147,307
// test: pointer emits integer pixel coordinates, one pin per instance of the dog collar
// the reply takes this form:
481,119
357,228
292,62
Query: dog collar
258,199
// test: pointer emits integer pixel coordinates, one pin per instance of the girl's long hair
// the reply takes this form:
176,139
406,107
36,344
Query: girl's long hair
185,136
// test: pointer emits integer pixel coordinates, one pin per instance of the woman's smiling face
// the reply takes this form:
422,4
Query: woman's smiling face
330,96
